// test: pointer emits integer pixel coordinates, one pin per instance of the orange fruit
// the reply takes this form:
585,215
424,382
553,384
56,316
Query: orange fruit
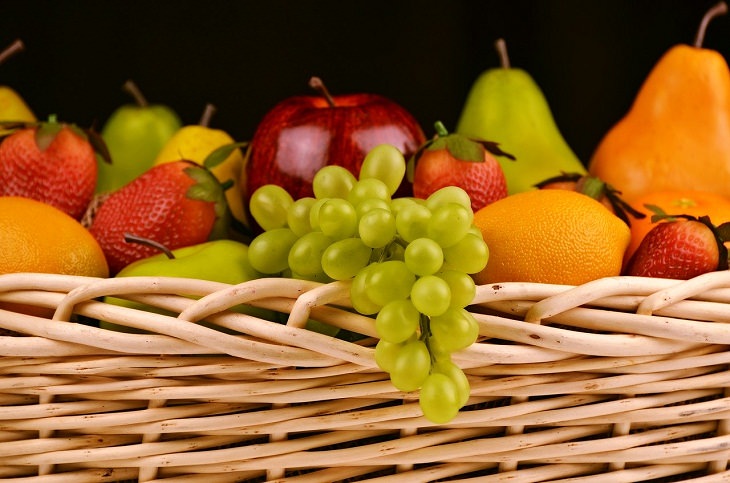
676,202
550,236
37,237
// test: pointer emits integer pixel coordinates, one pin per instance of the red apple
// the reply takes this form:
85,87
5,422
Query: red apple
301,134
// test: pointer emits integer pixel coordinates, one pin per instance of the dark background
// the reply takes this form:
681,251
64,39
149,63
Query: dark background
589,56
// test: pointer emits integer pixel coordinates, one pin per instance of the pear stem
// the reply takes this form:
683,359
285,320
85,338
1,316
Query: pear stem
131,238
207,115
12,49
501,47
317,84
131,88
720,8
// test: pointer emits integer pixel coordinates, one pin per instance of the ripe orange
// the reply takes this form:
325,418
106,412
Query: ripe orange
37,237
551,236
675,202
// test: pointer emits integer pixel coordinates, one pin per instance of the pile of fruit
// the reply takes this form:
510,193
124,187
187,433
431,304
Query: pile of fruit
349,189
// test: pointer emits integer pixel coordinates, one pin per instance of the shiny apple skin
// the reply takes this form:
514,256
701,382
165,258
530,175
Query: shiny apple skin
302,134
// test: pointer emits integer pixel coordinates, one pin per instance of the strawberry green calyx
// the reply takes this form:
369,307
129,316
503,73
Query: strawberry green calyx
460,147
47,130
208,188
597,189
220,154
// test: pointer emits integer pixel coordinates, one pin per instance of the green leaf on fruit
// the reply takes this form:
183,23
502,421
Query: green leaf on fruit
206,187
46,133
460,147
220,154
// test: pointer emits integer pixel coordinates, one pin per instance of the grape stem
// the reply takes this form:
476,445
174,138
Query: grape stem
424,324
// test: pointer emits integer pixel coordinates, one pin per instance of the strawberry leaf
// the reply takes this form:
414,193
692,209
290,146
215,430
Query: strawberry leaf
493,148
723,231
98,144
46,133
208,188
220,154
463,148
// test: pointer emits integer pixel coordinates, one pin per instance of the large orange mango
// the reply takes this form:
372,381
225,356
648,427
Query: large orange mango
676,135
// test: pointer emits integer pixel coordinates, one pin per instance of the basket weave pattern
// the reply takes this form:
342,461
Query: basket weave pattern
622,380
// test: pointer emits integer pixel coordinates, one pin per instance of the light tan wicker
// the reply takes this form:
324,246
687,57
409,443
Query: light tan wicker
619,380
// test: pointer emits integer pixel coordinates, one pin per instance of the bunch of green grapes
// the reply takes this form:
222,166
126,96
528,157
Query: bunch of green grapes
409,260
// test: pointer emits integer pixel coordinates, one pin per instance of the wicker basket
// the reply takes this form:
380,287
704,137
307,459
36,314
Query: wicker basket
618,380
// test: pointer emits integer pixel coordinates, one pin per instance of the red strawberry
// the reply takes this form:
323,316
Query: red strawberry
596,188
50,162
681,247
455,160
176,204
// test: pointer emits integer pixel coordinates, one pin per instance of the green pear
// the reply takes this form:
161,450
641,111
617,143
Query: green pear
505,105
219,261
134,135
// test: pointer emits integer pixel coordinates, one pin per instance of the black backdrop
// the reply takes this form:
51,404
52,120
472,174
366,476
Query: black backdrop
589,56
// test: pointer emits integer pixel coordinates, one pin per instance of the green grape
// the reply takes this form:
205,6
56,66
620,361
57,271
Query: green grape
396,204
431,295
461,285
358,292
437,351
423,256
333,181
386,354
439,398
393,251
377,228
397,321
371,204
449,223
314,212
305,256
411,366
455,330
297,217
446,195
337,218
412,221
386,163
476,231
454,372
469,255
366,189
344,258
269,252
317,277
389,281
269,205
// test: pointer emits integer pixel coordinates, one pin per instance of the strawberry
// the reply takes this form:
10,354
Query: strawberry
455,160
597,189
50,162
176,204
681,247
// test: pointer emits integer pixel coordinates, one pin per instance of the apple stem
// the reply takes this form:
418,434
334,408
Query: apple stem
501,47
131,88
317,84
131,238
720,8
12,49
208,113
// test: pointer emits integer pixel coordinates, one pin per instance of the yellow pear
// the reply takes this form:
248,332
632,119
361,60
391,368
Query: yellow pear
12,106
195,142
